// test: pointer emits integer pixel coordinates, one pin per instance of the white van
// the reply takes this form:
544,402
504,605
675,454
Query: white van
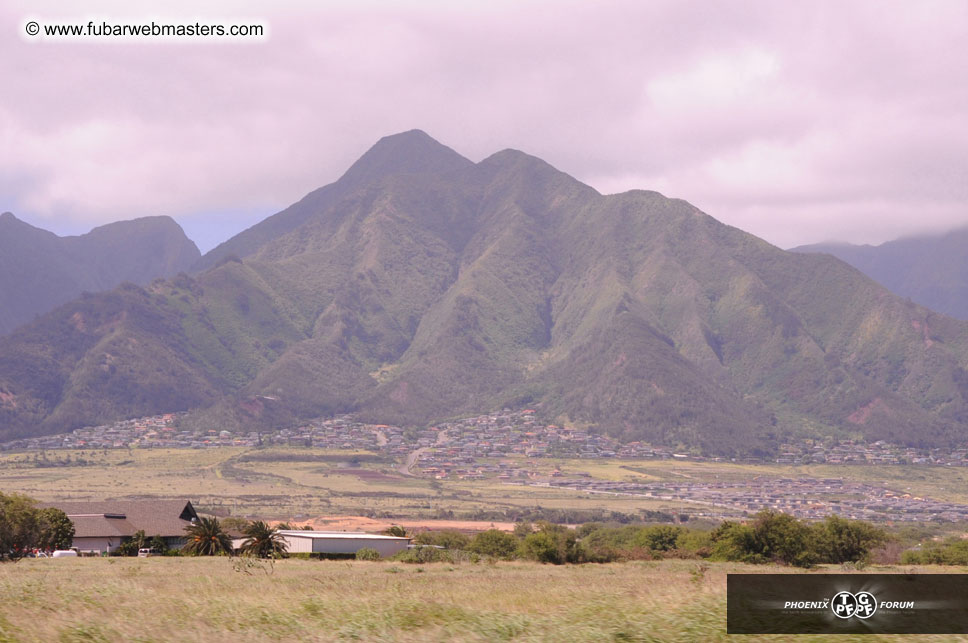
64,553
144,552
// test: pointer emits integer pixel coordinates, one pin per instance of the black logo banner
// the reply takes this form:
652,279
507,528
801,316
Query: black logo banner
847,603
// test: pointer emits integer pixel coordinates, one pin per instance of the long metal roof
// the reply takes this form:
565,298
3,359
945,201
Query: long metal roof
359,535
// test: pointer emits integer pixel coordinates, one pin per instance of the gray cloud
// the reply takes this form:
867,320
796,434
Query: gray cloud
798,122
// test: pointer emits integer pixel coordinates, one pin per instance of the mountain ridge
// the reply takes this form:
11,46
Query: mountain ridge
930,269
40,270
464,287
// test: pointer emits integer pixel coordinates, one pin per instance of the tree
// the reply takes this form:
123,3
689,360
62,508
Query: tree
158,545
207,538
56,530
844,541
131,546
771,537
782,538
658,537
19,526
396,530
263,541
523,529
734,541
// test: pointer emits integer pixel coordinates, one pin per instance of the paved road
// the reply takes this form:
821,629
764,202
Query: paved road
415,455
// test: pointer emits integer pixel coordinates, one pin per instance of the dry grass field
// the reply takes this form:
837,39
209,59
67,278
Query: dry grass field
183,599
186,599
286,483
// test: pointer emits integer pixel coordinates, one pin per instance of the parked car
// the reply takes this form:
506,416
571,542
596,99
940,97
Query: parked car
144,552
65,553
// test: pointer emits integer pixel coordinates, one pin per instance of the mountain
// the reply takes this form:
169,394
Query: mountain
39,270
422,286
412,152
932,270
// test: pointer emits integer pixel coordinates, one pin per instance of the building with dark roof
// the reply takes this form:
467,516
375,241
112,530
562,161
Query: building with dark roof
103,526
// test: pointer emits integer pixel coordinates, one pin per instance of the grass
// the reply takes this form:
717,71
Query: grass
185,599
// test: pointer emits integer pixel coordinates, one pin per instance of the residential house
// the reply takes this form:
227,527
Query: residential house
101,527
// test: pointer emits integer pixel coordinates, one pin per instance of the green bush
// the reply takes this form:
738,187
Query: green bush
540,547
695,541
448,539
494,543
158,545
771,537
781,538
425,554
658,538
367,553
951,552
847,541
552,544
601,543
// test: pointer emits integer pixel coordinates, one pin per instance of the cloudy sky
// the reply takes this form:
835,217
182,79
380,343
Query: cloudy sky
797,121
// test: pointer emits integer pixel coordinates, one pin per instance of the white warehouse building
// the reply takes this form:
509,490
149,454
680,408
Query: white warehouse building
337,542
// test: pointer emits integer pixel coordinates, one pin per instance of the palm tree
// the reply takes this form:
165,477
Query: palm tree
263,541
206,538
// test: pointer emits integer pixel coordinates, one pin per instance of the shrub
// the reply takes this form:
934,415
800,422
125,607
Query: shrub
780,537
494,543
367,554
158,545
696,542
540,547
426,554
552,544
841,541
771,537
448,539
658,538
600,543
887,554
951,552
127,548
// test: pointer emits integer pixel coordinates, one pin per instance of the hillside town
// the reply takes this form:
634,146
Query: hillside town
812,498
509,447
